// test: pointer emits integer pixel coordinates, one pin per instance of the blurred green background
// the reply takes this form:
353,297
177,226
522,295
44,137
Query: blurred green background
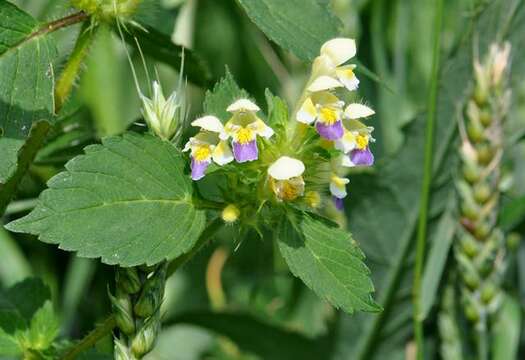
272,315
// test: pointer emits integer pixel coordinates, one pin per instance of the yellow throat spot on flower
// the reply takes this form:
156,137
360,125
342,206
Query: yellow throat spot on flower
202,153
244,135
339,181
349,73
328,116
362,142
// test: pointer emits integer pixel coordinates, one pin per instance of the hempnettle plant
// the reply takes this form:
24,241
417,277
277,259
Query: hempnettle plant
227,198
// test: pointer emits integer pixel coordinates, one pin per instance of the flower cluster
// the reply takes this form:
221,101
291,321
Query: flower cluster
333,121
294,165
211,143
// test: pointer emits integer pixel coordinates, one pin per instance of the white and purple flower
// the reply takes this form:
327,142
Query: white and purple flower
357,137
243,128
326,111
338,190
209,144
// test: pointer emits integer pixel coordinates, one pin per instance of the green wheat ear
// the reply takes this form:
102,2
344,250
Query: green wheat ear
480,245
136,307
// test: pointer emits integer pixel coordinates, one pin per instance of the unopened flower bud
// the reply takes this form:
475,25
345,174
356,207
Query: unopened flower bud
230,213
162,115
313,199
144,340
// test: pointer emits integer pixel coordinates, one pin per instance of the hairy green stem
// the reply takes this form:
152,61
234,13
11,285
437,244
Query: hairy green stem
427,182
67,79
91,339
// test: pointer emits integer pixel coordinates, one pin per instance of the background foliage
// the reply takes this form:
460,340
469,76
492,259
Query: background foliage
220,308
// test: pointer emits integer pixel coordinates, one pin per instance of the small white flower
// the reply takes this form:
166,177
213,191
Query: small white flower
244,127
286,168
358,111
339,50
243,105
285,178
356,134
338,186
209,144
328,67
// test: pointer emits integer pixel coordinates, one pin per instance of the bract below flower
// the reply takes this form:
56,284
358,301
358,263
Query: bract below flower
325,110
161,115
285,178
243,128
209,144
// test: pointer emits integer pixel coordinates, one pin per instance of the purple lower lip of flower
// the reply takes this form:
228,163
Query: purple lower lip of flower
339,203
330,132
245,152
198,169
362,157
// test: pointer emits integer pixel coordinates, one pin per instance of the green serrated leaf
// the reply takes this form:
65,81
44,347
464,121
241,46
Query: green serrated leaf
301,26
127,201
277,110
328,260
27,319
26,93
25,154
225,92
